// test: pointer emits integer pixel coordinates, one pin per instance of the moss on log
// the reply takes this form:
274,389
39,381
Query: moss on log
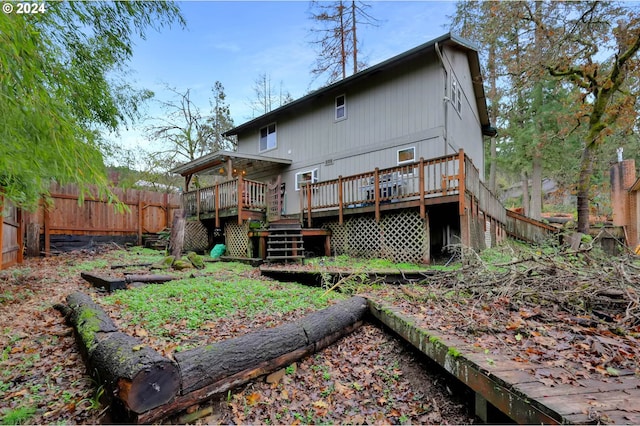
136,375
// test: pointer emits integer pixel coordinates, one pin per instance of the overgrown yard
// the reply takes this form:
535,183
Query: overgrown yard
546,307
367,377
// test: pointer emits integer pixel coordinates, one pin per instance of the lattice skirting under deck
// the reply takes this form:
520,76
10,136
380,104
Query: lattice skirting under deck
399,237
236,238
195,237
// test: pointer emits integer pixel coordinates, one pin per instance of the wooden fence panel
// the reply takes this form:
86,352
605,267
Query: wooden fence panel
10,235
64,215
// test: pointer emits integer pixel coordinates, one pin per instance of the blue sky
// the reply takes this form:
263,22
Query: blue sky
236,41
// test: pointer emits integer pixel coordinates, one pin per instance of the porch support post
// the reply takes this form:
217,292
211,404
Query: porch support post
229,168
240,198
421,188
376,192
340,200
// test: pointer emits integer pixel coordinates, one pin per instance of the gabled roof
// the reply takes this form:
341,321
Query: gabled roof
396,62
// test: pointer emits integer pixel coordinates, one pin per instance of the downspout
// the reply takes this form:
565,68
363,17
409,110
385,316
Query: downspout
445,99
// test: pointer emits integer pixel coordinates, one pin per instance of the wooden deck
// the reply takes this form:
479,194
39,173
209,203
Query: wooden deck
514,388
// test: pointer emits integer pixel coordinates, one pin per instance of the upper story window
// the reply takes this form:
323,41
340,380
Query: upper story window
341,107
268,137
456,95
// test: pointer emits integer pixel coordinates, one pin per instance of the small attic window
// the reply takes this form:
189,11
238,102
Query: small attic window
341,107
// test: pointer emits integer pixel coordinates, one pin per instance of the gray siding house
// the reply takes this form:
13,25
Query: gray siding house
387,162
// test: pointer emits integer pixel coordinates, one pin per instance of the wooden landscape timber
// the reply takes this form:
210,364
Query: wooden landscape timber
110,284
146,387
136,377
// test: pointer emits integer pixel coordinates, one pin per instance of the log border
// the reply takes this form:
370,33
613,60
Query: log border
339,319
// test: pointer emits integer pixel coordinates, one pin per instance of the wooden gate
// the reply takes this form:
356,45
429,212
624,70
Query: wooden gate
275,195
10,234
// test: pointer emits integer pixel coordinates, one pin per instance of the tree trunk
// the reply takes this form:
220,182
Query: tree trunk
525,194
176,241
584,182
134,375
33,240
536,188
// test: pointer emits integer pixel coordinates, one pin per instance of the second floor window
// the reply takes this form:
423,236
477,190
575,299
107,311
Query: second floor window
268,137
341,107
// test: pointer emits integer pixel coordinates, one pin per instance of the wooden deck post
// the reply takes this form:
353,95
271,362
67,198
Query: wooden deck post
461,182
421,188
376,192
465,225
216,200
309,205
240,198
340,200
198,203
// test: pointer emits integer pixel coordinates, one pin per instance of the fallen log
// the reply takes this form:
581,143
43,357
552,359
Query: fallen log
134,375
216,368
207,364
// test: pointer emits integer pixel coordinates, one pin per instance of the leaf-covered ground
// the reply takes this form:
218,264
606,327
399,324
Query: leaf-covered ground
367,377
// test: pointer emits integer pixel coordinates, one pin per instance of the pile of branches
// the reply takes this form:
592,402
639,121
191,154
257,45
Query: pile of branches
585,283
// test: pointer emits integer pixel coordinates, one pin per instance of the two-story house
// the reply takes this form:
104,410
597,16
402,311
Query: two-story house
387,162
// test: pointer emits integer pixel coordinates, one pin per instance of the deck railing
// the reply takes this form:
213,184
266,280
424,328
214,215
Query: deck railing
225,195
419,180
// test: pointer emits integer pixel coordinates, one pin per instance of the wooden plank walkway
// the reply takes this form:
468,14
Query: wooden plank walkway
514,387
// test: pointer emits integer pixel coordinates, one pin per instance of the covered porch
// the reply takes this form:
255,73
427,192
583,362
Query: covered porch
238,190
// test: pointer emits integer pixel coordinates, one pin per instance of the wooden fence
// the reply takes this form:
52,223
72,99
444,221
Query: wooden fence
146,212
10,234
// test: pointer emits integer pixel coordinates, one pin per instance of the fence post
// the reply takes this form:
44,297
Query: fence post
47,231
20,236
140,219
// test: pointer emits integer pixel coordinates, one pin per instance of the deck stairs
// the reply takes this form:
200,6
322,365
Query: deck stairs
285,243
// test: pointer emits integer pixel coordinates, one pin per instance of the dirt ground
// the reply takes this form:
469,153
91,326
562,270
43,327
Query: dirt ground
368,377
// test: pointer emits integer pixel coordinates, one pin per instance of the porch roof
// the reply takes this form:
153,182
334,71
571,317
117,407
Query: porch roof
212,163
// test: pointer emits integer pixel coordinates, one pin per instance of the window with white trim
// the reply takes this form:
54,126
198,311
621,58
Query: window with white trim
456,95
268,139
309,176
341,107
407,155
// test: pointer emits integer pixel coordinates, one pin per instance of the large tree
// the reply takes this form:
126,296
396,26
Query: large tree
595,48
61,86
336,38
